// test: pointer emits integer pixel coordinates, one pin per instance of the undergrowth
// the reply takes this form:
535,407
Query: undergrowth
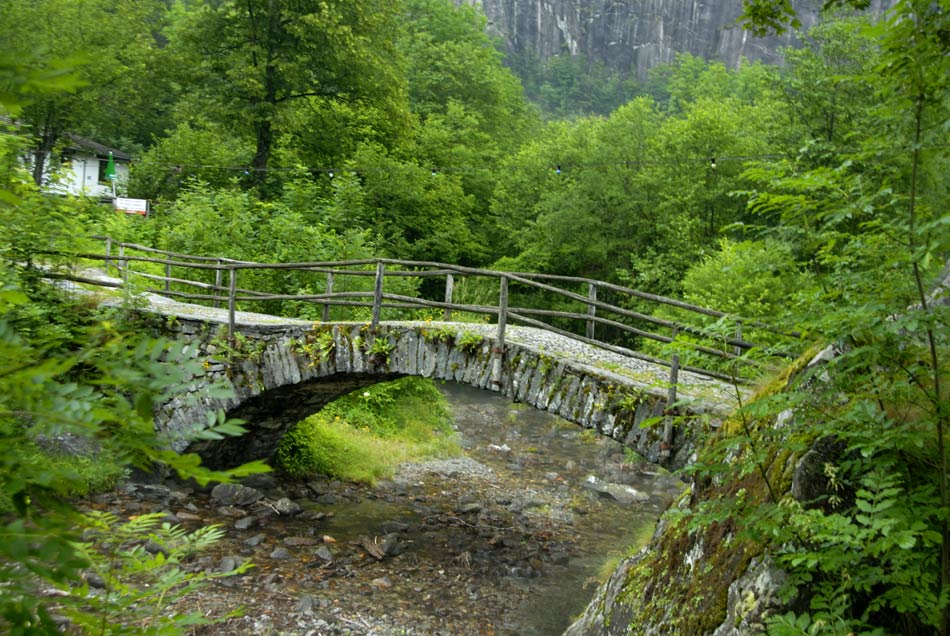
365,435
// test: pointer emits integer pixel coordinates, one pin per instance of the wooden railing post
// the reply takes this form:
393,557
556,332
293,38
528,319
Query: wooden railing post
217,284
737,349
670,401
124,265
108,259
168,273
326,305
498,350
591,308
232,294
378,294
449,284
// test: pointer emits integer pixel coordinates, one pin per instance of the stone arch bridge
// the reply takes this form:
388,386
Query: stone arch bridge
281,371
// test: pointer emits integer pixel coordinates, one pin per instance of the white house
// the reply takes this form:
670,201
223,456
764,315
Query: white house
83,170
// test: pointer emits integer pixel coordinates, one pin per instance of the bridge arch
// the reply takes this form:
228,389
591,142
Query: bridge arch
280,374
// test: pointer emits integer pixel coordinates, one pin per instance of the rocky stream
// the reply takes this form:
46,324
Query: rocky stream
507,540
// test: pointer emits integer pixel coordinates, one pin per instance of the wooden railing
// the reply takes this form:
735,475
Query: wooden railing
221,288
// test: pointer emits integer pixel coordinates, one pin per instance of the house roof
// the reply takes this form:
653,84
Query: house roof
81,143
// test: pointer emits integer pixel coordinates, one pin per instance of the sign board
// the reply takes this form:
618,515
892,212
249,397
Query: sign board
132,206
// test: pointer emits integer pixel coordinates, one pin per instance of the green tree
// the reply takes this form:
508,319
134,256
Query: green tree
871,554
211,155
471,109
256,65
749,278
111,52
636,197
412,211
65,376
573,85
828,87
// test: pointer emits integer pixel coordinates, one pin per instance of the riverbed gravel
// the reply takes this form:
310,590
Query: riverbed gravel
500,542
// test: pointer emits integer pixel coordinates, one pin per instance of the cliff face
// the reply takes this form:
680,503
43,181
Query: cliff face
636,35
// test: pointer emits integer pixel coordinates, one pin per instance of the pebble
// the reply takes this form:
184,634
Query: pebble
305,604
280,553
382,583
256,540
229,564
299,541
469,508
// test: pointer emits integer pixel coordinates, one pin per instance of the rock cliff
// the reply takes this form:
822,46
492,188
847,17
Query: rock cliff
633,36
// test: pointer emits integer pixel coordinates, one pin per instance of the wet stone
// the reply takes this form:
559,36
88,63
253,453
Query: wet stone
285,506
235,495
256,540
262,481
94,580
391,546
560,558
154,547
299,541
229,564
280,553
245,523
394,526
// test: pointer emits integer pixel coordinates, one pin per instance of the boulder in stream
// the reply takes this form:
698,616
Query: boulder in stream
625,495
235,495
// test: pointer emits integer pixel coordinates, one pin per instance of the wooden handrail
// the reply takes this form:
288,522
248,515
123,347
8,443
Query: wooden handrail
443,269
595,307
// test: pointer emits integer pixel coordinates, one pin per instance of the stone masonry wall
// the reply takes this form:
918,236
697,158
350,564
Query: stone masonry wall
279,375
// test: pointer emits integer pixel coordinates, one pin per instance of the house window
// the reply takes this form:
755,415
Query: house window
103,164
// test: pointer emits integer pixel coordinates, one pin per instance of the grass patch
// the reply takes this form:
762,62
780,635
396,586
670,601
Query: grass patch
365,435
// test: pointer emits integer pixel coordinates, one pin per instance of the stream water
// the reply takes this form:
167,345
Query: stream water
506,541
554,459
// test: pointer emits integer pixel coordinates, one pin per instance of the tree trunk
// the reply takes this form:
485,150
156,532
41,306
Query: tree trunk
265,139
265,126
42,150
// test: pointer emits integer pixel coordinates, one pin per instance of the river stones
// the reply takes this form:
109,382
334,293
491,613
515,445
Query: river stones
624,495
285,506
235,495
